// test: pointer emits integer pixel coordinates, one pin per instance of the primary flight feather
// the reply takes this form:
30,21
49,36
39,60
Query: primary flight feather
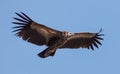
39,34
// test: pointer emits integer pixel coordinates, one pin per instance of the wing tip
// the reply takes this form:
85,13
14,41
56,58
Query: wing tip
98,34
23,21
96,40
23,16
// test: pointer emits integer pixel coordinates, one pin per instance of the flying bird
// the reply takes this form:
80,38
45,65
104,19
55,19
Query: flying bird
39,34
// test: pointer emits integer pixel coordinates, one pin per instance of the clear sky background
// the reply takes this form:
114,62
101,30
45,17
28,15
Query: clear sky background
20,57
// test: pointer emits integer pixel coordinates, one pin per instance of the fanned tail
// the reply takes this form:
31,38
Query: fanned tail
45,53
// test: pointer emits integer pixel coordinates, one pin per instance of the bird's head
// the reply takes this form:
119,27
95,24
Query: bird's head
67,34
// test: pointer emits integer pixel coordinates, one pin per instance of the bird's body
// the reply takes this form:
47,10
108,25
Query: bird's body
39,34
54,44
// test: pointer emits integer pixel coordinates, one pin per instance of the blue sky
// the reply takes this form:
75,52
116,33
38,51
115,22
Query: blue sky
20,57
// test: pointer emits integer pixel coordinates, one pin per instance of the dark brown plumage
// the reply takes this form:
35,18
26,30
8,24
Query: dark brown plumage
39,34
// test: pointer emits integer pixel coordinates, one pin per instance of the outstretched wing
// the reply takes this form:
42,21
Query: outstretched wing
31,31
84,40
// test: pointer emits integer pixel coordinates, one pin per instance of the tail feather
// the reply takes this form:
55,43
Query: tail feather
45,53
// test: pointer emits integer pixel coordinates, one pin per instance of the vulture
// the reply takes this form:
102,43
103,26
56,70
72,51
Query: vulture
39,34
